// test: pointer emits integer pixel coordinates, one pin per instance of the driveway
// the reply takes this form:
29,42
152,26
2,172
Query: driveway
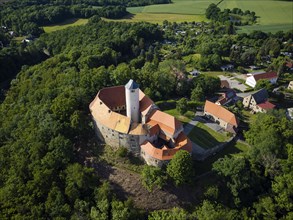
234,84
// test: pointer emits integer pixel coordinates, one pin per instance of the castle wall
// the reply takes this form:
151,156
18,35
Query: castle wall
152,161
117,139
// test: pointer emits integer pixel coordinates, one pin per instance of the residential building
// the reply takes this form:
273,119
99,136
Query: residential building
226,97
252,78
258,101
227,67
222,116
125,117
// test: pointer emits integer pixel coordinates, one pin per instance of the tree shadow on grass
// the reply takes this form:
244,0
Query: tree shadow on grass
203,138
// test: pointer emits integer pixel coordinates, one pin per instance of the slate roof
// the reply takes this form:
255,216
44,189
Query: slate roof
260,96
131,85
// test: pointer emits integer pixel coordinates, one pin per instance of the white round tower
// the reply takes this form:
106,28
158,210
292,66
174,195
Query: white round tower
132,100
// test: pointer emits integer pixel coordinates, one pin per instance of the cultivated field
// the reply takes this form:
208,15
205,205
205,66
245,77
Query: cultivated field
65,24
273,15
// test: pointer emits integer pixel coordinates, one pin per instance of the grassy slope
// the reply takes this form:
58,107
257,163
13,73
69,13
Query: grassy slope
205,136
65,24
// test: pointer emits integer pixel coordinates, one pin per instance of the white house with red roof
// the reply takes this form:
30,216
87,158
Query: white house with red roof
222,116
258,101
252,78
125,117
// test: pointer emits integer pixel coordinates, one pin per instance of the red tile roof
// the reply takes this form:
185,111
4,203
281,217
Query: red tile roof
113,96
145,103
167,123
267,75
266,105
166,153
220,112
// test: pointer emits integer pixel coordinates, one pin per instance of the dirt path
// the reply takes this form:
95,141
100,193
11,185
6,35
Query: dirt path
128,184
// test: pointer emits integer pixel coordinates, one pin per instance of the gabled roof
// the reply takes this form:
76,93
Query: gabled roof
167,123
145,103
260,95
266,75
220,112
266,105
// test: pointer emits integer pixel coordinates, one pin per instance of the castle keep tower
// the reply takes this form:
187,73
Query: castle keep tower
132,101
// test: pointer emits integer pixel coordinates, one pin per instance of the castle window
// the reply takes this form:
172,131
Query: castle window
112,134
132,90
101,103
109,111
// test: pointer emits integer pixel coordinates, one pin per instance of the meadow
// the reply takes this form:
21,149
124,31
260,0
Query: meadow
65,24
272,15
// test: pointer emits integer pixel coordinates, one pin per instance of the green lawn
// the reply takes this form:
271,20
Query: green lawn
183,118
65,24
215,73
205,136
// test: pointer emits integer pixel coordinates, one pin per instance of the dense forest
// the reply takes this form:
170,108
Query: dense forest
45,122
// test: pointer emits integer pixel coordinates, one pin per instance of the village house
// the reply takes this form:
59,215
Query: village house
194,73
289,113
226,97
290,86
252,78
258,101
227,67
125,117
222,116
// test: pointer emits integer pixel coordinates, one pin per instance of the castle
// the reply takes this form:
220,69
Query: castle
125,117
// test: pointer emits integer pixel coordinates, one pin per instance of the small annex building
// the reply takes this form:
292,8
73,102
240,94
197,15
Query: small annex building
258,101
290,86
222,116
125,117
252,78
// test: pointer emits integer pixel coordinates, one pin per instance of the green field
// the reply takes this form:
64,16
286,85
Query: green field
159,18
273,15
205,136
65,24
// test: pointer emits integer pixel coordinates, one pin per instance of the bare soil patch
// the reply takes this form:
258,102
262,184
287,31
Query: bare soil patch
127,184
